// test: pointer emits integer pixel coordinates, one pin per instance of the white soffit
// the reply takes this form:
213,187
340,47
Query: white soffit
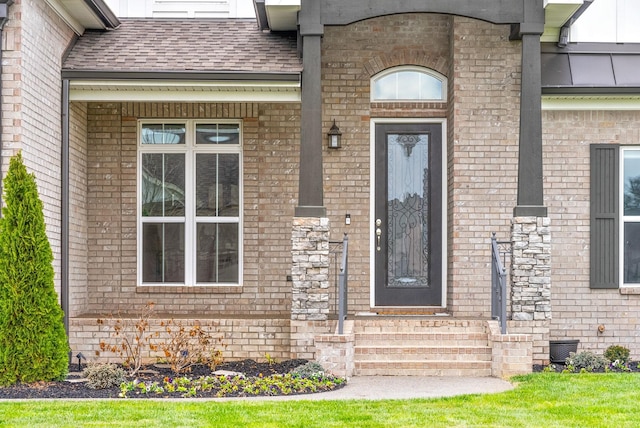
282,15
76,14
186,91
591,102
556,14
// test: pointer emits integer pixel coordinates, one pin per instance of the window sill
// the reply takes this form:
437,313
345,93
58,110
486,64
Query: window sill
201,289
630,290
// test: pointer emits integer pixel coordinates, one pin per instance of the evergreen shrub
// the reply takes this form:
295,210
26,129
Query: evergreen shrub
33,341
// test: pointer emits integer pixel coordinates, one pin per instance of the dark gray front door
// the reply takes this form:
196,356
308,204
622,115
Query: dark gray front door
408,210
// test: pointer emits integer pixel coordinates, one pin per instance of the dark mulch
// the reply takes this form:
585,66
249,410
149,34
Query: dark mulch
249,368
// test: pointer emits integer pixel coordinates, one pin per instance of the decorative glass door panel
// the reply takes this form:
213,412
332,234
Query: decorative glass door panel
407,210
408,215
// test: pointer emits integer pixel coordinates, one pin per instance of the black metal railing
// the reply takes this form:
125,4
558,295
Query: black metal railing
340,251
499,252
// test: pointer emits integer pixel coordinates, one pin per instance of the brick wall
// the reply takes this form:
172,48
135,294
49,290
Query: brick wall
35,41
351,56
78,248
270,159
483,150
482,113
577,309
243,338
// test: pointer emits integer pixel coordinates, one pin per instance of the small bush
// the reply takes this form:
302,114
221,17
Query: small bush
103,376
130,338
585,360
188,346
308,370
617,353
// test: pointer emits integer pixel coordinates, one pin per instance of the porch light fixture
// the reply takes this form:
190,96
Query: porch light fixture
335,136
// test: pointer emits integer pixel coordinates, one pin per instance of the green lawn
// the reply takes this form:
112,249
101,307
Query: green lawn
539,400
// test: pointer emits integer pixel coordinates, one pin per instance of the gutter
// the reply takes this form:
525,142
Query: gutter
240,76
104,13
4,17
64,209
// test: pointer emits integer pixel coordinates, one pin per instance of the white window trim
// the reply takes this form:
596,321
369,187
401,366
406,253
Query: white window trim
423,70
190,220
624,218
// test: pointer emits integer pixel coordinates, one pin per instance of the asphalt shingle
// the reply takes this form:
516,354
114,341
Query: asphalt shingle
176,45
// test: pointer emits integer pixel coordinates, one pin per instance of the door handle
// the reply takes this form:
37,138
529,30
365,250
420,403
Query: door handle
378,234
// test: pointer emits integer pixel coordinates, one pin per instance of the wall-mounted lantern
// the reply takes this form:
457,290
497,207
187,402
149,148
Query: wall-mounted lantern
335,136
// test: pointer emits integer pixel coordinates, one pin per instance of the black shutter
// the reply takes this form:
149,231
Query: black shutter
604,261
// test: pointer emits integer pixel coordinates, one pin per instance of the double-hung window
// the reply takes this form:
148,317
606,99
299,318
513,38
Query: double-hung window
630,184
189,203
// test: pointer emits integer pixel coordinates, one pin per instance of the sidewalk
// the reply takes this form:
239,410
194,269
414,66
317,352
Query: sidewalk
402,387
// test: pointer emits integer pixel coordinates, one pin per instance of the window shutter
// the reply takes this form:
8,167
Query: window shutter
604,262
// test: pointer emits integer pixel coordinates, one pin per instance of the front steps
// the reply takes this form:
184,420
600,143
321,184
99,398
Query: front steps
408,346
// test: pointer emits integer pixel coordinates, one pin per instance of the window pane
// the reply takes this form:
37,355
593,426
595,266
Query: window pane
160,133
163,184
632,253
385,88
407,85
163,252
217,185
430,88
217,253
631,182
218,134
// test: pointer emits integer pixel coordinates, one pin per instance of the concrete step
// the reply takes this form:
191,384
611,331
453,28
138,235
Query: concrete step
422,353
419,346
419,325
422,338
423,368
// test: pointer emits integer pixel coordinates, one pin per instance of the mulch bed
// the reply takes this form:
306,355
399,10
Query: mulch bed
66,389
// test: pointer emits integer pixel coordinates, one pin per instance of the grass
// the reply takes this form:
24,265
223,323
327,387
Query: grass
539,400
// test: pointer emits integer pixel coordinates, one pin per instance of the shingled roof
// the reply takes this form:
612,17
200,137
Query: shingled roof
185,45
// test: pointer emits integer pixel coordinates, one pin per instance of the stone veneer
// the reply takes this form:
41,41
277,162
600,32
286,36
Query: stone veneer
530,269
310,269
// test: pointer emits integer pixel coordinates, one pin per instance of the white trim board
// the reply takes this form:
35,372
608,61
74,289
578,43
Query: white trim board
591,102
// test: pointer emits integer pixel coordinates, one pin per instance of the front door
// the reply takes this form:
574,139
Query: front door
408,214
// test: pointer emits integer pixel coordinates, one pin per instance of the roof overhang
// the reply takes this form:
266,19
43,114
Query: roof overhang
282,15
557,13
277,15
81,15
591,68
183,87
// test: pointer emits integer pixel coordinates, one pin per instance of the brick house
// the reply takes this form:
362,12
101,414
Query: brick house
185,162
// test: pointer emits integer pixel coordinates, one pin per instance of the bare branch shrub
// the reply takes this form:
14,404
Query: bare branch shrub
187,346
130,338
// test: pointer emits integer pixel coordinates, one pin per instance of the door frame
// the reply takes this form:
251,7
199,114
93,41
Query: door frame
372,168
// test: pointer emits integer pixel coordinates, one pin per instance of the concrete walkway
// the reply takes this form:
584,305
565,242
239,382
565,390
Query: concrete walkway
401,387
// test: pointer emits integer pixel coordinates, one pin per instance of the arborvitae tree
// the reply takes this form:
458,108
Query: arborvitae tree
33,342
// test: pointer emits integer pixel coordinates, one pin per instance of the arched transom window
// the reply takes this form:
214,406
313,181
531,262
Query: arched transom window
408,84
